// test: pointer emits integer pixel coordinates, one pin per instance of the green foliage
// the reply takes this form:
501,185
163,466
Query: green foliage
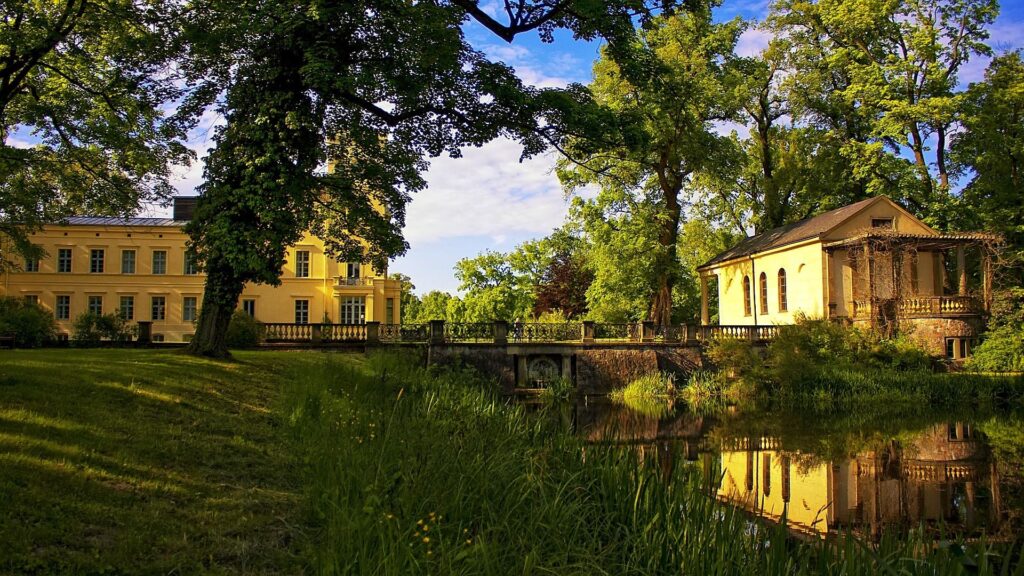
31,325
651,393
705,389
244,331
90,329
852,61
1002,349
87,83
377,88
663,101
991,149
558,390
736,357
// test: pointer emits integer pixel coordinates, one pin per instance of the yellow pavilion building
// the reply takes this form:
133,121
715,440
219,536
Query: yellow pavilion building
138,268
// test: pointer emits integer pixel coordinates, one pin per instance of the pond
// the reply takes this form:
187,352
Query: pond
860,471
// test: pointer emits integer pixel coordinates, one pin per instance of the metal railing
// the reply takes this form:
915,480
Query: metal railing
353,281
546,332
394,333
618,331
469,331
503,332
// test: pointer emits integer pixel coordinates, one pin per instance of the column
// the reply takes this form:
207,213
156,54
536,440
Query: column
869,273
961,270
705,318
986,273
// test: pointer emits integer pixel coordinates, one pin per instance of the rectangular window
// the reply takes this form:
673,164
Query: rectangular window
96,305
159,262
158,337
353,269
127,261
128,307
881,223
159,308
302,311
302,263
64,260
62,309
389,311
249,307
96,261
353,310
32,299
189,308
32,265
190,265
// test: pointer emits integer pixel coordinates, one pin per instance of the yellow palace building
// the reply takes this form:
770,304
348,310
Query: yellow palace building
138,267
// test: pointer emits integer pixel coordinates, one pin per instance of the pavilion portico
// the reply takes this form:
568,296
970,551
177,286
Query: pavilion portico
871,263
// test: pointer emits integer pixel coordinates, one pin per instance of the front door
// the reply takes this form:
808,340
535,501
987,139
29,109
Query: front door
353,310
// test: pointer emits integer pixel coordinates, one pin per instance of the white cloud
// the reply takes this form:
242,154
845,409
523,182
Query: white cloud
487,192
753,41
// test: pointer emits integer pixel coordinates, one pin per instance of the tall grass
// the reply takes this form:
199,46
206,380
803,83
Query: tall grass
411,470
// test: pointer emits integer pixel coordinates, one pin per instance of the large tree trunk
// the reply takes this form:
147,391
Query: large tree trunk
917,145
667,269
220,297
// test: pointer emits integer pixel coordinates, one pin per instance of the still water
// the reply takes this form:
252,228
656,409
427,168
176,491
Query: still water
828,472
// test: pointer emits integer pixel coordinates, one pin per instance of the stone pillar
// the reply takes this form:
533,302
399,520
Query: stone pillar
317,334
647,331
521,375
691,333
145,337
567,367
705,317
500,332
373,333
589,331
437,331
961,270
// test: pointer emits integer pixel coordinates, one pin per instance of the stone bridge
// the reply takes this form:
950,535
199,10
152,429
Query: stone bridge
595,357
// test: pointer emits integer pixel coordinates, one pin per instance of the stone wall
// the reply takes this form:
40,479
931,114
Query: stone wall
932,332
488,359
598,370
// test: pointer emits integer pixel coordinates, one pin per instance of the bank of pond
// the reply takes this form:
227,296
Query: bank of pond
150,461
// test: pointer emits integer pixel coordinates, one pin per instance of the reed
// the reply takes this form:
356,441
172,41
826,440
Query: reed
417,471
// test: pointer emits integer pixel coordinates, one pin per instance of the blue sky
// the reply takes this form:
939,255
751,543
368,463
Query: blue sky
488,200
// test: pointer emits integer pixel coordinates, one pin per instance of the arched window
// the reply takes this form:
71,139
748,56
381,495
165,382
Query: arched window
746,295
783,304
763,285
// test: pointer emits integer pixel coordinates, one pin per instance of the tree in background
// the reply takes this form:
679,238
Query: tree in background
883,77
83,86
990,150
563,286
378,86
665,97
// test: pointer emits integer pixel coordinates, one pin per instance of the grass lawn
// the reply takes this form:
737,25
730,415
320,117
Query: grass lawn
153,462
146,462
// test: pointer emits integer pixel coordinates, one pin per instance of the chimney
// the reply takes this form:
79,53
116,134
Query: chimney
185,207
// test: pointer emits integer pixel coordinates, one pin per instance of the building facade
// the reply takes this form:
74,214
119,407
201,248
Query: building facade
871,263
138,268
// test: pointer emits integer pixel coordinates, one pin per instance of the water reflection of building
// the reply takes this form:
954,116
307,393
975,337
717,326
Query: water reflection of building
944,474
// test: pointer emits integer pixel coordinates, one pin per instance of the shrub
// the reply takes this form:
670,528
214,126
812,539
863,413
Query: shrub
31,325
1002,349
91,329
738,357
244,331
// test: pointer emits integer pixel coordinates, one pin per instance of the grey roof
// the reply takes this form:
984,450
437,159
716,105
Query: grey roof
114,221
791,233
